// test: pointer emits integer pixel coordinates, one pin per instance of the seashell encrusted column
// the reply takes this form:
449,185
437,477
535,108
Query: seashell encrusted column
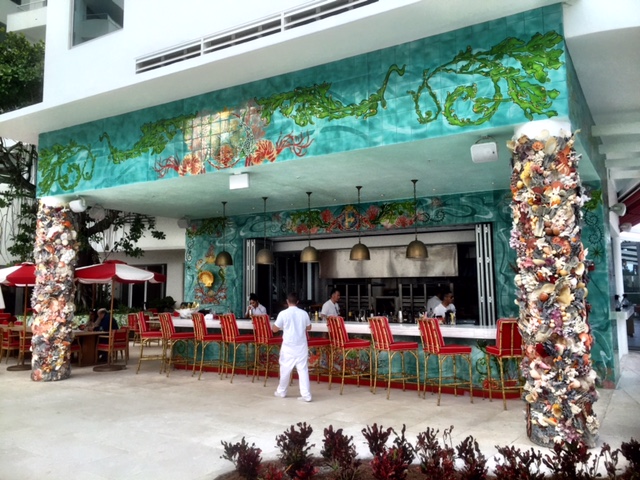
559,388
52,300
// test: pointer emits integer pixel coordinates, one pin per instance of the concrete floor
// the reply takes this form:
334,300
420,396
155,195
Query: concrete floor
120,425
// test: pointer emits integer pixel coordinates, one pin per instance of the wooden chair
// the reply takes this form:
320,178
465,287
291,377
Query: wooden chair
233,342
25,345
75,348
346,347
267,342
146,337
132,321
508,346
383,342
433,344
10,343
171,338
114,342
203,340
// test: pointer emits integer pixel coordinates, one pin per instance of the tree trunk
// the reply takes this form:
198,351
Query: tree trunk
52,299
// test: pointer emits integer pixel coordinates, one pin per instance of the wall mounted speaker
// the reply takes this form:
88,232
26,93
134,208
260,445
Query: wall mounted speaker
78,206
484,152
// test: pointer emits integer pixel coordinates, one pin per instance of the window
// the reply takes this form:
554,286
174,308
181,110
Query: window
95,18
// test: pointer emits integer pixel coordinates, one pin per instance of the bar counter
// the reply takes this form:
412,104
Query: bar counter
362,328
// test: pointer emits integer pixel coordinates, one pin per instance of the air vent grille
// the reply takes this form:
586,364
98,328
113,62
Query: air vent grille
271,25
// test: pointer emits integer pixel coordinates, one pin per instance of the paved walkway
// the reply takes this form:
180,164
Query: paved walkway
120,425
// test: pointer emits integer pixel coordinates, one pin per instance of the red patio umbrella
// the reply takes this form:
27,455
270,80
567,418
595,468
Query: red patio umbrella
23,275
115,271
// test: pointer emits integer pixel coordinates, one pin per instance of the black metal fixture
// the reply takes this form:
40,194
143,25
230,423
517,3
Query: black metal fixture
309,254
265,256
223,259
416,249
359,251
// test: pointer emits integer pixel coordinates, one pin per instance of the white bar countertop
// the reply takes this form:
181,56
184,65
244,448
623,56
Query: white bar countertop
362,328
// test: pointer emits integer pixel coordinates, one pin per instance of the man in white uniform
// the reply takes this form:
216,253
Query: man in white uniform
294,352
330,308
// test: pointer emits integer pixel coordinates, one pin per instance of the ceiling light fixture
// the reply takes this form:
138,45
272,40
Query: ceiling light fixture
78,205
359,251
416,250
309,254
223,259
265,256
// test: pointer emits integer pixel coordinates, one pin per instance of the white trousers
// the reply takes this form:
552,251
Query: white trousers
298,358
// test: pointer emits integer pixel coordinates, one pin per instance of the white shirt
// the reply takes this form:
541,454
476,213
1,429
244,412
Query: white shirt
440,310
432,303
294,322
330,309
259,310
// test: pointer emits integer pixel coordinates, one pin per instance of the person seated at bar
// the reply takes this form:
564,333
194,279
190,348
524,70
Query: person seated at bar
330,307
255,307
445,306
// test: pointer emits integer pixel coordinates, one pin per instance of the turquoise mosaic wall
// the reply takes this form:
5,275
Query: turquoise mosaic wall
225,292
504,72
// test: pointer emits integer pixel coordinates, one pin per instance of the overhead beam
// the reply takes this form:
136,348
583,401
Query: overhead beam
619,147
629,128
629,162
624,174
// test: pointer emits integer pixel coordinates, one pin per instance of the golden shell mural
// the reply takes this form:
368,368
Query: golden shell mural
206,278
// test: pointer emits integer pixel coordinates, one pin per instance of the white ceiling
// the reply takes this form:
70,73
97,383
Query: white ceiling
608,66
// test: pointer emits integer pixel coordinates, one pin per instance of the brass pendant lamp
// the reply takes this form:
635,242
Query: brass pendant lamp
416,250
309,254
359,251
265,256
223,259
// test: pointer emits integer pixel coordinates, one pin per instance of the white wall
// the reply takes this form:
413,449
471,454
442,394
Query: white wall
108,62
583,17
175,268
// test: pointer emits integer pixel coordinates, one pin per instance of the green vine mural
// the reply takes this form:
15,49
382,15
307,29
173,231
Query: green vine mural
207,227
304,104
520,68
535,57
155,138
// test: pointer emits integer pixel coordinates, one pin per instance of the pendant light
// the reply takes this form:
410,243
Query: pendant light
359,251
223,259
309,254
265,256
416,250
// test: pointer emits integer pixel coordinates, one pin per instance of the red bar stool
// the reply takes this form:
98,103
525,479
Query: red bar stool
347,347
146,337
203,340
171,338
508,346
433,344
233,341
267,342
323,346
383,342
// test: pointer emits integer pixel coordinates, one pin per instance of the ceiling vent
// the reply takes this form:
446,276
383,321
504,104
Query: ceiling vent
286,20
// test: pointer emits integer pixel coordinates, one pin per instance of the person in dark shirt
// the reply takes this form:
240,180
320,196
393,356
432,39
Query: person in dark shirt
103,321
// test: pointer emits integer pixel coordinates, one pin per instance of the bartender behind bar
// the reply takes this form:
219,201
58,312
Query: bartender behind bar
446,308
331,308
